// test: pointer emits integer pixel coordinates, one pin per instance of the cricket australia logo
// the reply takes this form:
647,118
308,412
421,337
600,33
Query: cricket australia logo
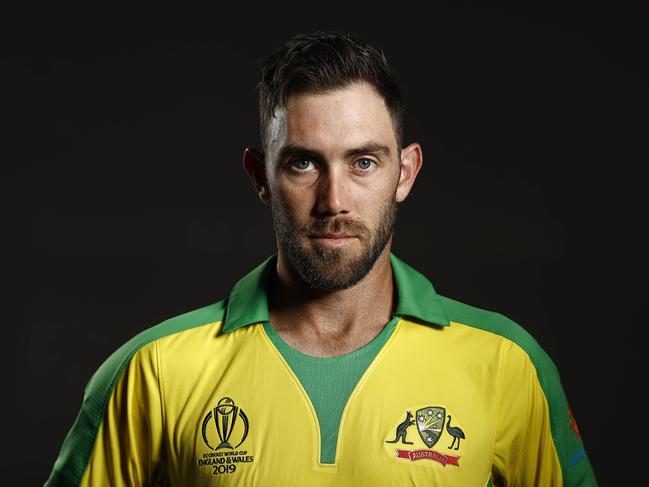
224,429
430,422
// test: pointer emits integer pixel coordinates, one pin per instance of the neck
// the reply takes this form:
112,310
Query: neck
331,322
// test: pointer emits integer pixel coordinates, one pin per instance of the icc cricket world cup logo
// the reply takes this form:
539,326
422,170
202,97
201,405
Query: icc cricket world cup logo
223,420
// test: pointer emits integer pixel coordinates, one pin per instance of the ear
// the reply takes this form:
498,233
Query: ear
411,160
253,163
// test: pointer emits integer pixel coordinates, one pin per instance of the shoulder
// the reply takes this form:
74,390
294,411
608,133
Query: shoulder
109,372
523,363
126,383
516,340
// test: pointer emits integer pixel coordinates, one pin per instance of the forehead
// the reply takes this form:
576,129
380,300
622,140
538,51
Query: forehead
334,121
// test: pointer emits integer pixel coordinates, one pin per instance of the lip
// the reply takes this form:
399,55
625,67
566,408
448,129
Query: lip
333,240
333,236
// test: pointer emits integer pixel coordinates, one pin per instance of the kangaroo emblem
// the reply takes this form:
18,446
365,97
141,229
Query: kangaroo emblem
402,430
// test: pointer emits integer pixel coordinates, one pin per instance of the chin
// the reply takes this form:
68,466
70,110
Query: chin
339,269
335,256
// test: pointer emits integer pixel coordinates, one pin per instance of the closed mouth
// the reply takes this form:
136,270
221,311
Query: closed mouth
333,236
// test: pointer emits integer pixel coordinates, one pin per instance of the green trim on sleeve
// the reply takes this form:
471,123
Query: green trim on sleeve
575,466
78,445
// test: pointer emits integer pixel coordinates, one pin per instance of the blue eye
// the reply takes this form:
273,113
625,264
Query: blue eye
365,164
301,164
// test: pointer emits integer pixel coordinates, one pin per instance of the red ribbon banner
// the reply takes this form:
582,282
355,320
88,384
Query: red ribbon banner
414,455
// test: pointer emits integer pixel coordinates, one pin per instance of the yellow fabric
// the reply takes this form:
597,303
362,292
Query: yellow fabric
524,450
128,446
171,389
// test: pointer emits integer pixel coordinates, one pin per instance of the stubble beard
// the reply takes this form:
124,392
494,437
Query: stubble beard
327,268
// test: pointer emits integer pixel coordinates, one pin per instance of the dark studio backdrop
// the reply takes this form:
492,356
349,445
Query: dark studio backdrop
129,204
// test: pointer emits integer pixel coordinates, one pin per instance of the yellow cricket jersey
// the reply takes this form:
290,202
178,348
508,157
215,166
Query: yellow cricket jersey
455,396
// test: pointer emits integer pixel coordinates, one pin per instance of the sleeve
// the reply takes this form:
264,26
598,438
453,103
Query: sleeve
117,436
537,442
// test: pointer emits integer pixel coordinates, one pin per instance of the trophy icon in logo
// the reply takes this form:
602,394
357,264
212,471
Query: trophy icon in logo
225,415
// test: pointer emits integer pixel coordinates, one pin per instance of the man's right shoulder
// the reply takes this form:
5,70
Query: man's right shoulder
105,377
141,353
207,315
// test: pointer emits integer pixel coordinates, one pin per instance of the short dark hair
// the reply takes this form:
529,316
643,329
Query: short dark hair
319,62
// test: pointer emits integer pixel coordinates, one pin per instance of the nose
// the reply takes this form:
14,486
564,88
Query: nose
333,192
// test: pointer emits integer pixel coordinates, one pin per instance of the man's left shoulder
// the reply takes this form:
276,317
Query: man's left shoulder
498,324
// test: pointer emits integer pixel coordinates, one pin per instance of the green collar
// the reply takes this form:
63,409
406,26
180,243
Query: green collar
248,304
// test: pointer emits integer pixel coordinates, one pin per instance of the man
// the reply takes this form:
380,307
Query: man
328,364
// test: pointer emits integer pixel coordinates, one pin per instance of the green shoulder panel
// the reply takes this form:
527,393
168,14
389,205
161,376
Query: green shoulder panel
500,325
575,465
78,444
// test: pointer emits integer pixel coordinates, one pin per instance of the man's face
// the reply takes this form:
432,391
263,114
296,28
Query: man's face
332,170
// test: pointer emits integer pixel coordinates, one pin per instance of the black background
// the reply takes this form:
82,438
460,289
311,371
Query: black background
128,202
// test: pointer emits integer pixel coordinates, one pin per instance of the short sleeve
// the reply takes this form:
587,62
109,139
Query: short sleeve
536,441
116,438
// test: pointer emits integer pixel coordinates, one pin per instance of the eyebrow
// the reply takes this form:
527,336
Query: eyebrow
292,150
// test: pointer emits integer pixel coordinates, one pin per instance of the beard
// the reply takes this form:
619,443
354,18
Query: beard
328,268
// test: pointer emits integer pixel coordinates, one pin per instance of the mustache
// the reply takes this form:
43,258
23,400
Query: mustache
340,225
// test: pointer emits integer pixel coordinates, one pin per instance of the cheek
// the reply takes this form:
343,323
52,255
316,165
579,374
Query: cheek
377,196
294,200
381,208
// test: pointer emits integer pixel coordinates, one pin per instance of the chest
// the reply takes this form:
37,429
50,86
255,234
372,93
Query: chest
421,413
